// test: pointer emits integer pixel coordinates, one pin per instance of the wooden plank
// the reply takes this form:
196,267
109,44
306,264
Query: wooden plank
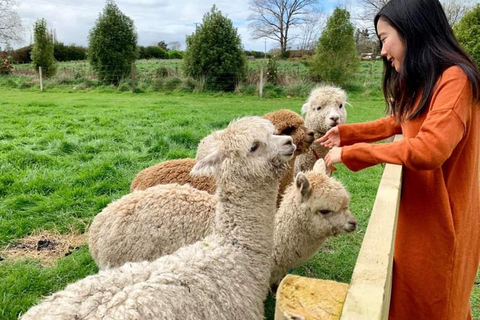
302,298
370,288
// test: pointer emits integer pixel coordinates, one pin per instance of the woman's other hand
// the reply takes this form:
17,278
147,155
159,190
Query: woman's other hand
333,156
330,139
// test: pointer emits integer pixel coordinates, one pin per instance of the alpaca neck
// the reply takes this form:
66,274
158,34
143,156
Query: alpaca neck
286,180
293,245
245,214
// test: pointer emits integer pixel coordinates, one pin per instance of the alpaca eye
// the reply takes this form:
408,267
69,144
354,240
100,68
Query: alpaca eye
324,212
254,147
319,108
287,131
341,105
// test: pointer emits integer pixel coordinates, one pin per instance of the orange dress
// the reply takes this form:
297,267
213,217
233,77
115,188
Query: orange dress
437,246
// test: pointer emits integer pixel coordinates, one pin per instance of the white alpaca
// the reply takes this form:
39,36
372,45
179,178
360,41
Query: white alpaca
324,109
166,217
224,276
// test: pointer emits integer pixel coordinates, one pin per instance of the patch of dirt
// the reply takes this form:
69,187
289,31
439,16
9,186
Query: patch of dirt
45,246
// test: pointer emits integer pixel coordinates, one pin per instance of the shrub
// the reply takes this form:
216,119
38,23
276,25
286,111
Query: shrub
172,84
155,53
272,91
467,31
175,54
62,52
272,71
214,51
336,58
42,51
161,72
5,67
112,47
22,55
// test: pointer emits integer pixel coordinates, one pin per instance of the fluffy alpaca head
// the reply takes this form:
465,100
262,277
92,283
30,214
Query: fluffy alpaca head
289,123
246,149
325,108
327,202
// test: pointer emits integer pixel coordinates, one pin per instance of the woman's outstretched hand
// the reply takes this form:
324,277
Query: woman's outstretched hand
330,139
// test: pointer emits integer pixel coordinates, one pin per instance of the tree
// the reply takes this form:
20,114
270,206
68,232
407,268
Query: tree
336,59
365,42
112,46
163,45
42,51
10,23
311,30
215,53
467,31
454,9
174,45
274,19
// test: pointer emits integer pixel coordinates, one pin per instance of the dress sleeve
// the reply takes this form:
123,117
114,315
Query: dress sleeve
442,130
368,131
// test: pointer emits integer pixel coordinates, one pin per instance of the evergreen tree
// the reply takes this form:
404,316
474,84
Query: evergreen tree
112,45
467,31
336,58
42,51
214,52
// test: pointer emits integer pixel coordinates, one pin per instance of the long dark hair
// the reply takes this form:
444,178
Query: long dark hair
430,48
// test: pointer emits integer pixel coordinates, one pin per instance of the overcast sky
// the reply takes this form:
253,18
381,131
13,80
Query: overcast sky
155,20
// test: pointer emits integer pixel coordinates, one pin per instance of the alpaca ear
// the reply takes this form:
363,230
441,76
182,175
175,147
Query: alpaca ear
304,109
319,166
303,185
208,165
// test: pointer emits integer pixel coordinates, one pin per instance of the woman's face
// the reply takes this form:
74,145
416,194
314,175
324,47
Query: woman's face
393,46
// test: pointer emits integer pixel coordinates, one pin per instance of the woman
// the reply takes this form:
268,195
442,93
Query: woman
432,89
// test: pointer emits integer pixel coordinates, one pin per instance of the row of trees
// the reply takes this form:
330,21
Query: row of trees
282,21
214,51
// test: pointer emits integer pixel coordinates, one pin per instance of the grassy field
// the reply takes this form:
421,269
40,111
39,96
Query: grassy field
66,154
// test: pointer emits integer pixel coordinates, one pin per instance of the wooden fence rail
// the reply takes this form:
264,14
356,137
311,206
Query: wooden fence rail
369,291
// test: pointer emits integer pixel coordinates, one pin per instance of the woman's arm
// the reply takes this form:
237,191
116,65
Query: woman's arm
443,128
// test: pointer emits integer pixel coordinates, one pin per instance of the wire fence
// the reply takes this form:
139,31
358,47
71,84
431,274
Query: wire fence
168,75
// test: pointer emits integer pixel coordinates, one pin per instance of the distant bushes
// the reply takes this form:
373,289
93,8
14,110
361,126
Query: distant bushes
22,55
62,52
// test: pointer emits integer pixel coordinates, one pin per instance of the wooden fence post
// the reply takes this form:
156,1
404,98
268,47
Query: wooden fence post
41,78
133,77
260,89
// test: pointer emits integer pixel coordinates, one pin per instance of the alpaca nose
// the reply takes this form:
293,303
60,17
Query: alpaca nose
352,224
289,142
334,118
310,133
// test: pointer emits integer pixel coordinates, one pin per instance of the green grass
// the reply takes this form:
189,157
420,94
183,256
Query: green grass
64,155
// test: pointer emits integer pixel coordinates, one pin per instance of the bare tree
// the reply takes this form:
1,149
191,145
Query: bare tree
454,9
311,29
174,45
273,19
370,8
10,23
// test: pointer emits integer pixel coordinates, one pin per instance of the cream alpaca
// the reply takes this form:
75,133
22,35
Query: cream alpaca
324,109
225,275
